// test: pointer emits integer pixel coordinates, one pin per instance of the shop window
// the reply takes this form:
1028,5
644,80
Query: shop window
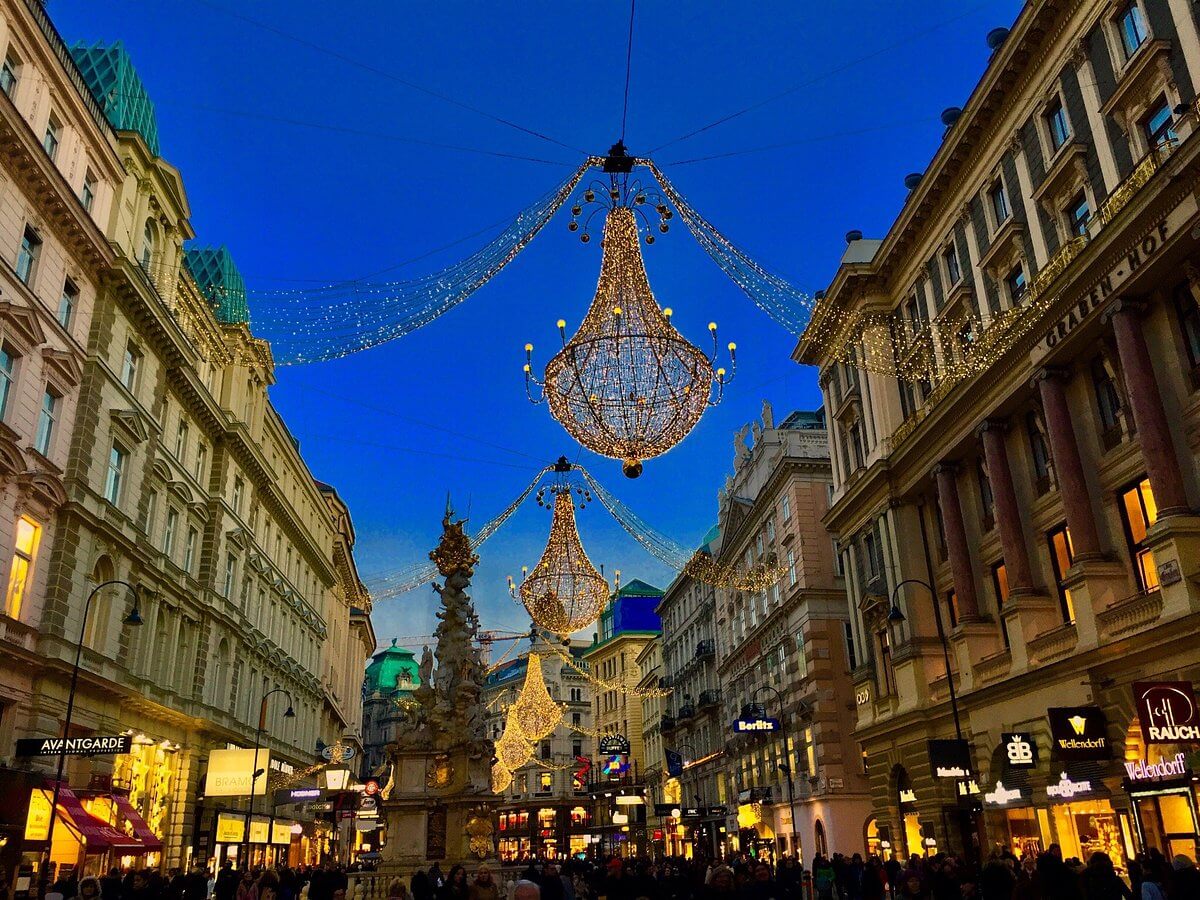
28,535
1138,513
1062,557
1188,313
1000,586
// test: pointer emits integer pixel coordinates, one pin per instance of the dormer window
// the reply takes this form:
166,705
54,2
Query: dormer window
1057,125
999,200
1132,28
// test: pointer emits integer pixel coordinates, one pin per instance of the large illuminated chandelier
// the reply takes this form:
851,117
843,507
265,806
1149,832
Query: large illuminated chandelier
564,592
627,385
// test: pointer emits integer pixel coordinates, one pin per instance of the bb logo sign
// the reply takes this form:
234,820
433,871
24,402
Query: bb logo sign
1020,750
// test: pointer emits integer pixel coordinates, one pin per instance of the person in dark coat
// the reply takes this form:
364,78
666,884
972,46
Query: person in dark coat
110,885
422,886
1101,882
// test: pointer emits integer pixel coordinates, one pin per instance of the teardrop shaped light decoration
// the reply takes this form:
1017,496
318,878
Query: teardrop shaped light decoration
501,778
536,712
564,592
627,385
513,750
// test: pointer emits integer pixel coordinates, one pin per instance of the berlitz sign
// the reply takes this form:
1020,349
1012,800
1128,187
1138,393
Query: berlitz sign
1167,712
749,726
80,746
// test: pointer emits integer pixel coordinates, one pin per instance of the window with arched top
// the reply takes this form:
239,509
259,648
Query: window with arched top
95,632
221,674
822,845
146,255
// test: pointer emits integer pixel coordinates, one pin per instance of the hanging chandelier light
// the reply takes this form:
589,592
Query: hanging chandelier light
501,778
537,714
513,750
627,385
564,592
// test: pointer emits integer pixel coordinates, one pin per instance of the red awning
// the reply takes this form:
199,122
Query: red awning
149,839
99,836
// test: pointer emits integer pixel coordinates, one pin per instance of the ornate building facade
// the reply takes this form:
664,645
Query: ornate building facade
1018,521
781,626
545,813
173,475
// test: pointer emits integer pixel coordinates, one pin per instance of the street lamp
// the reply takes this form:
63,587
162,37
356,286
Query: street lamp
784,767
288,713
895,617
134,617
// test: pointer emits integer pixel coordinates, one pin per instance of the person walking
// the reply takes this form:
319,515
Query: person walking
484,886
1185,881
456,887
1101,882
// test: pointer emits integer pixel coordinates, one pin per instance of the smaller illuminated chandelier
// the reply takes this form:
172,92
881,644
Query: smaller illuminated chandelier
627,385
513,750
537,713
564,592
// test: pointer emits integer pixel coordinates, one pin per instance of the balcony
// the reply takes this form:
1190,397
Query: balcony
687,711
664,683
709,698
706,648
666,724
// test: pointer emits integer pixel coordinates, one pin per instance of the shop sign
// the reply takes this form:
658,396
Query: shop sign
1167,712
281,832
78,746
756,724
229,773
908,795
1067,789
37,819
283,767
1002,796
1109,283
968,788
1079,732
1020,749
260,831
1141,770
371,787
613,744
322,806
230,828
950,758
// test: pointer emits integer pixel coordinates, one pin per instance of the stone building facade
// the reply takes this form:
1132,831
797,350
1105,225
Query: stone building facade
1042,478
175,476
781,626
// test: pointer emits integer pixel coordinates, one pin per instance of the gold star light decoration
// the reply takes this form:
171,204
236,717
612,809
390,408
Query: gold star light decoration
627,385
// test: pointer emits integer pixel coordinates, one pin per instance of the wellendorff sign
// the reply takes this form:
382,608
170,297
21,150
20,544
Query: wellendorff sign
1141,770
80,746
1103,290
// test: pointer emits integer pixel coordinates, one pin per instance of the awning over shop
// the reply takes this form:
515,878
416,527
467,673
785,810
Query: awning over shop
97,836
149,839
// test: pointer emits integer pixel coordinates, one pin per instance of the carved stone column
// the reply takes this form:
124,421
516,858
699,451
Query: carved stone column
1008,513
956,540
1154,434
1068,465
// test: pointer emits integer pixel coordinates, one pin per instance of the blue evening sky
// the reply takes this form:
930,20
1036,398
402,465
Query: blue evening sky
305,166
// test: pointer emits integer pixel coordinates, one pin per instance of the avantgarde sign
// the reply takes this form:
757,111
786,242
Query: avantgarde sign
80,746
1167,712
1079,732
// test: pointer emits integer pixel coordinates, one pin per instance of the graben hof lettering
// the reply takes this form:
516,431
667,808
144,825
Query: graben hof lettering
1104,289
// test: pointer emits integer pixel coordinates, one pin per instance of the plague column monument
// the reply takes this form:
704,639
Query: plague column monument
436,800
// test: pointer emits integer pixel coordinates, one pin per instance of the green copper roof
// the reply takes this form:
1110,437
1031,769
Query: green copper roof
387,667
114,82
638,588
220,281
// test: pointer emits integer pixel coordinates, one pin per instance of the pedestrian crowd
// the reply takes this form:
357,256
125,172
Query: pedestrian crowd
1003,876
